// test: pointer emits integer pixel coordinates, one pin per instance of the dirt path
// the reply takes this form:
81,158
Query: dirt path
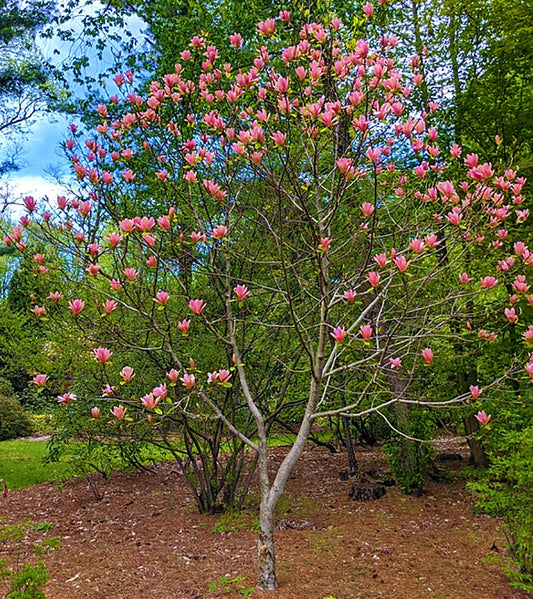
145,540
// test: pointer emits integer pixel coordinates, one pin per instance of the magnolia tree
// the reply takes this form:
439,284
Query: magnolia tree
284,240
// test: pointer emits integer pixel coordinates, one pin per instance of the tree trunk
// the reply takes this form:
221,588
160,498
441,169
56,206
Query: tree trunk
478,457
348,443
265,548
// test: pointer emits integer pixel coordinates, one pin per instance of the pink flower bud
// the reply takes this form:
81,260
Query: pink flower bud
427,354
366,332
475,392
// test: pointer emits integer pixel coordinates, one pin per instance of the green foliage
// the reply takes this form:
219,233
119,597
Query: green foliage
14,422
6,388
28,582
411,461
505,491
226,586
233,521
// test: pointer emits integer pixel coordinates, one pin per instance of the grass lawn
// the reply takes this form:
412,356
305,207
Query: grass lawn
21,464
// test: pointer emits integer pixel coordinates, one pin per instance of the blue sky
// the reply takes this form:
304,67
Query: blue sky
41,152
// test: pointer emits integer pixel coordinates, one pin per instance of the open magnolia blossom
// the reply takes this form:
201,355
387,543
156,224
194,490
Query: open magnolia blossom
314,174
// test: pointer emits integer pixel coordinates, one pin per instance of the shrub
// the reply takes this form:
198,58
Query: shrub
6,388
14,422
504,491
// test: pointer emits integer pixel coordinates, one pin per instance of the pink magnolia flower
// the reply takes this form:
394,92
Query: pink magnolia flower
76,306
30,203
184,325
161,298
119,412
338,334
520,248
367,208
368,9
219,232
224,376
373,278
66,398
39,311
402,263
528,334
95,413
93,269
529,366
431,240
417,245
381,259
395,362
39,380
173,376
188,380
520,285
163,222
109,305
475,392
324,245
464,278
197,306
241,292
212,378
149,401
54,296
455,151
482,418
366,331
488,282
349,296
427,354
127,373
160,391
266,27
115,285
511,315
130,273
279,138
108,391
127,225
102,354
235,40
114,239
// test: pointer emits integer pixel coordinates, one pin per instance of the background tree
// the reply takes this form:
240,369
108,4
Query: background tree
25,77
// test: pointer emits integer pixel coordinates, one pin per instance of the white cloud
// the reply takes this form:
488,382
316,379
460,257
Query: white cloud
16,188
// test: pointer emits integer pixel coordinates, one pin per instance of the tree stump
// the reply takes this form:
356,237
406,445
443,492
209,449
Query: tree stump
363,491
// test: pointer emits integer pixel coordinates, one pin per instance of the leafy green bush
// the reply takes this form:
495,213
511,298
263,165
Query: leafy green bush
6,388
505,490
28,582
411,461
14,422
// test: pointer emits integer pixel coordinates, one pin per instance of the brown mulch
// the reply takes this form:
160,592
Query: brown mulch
144,539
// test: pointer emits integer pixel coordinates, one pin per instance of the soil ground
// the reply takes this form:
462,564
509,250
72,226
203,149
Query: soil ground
144,539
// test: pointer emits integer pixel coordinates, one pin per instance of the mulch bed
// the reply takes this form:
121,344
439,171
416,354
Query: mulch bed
144,539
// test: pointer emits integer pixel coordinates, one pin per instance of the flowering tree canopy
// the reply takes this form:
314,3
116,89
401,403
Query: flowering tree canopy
281,238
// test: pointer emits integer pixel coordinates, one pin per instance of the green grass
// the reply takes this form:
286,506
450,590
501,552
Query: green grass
21,464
